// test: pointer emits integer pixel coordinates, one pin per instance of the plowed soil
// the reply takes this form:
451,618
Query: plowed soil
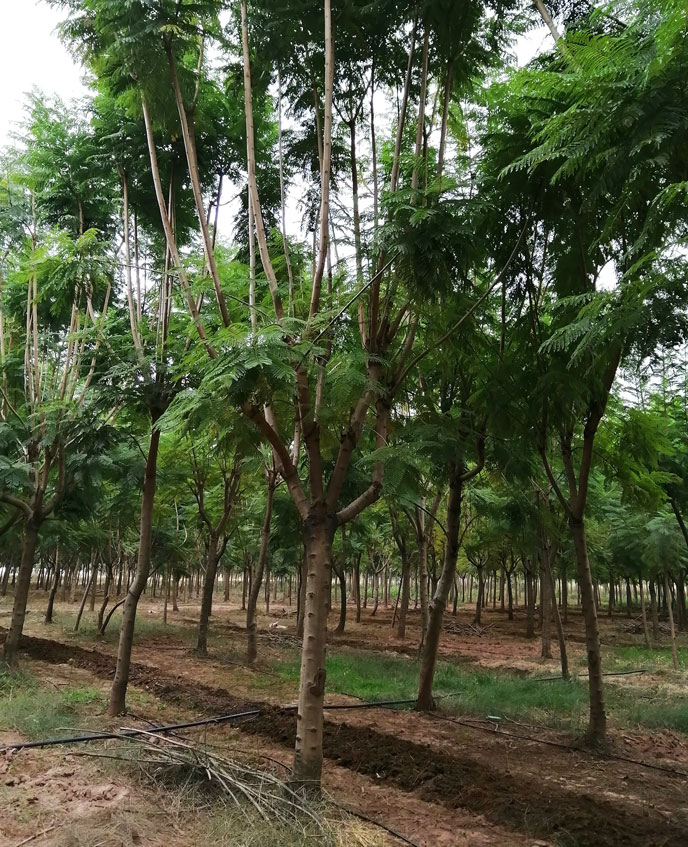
541,795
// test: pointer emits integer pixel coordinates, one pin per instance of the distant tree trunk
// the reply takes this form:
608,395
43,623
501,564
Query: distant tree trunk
653,610
404,594
53,588
91,581
646,633
118,692
207,597
546,603
530,604
481,596
251,612
667,597
357,586
425,700
341,575
175,592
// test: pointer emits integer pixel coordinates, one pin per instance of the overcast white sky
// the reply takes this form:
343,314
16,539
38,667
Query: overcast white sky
32,55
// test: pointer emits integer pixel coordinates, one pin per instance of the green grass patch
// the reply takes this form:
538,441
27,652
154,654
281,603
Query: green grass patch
640,657
557,703
41,711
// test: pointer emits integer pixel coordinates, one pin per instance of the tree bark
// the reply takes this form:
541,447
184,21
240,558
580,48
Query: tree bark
118,693
425,700
251,612
21,592
207,596
667,599
319,532
598,717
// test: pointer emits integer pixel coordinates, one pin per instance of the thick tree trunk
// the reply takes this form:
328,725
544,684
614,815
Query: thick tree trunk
439,601
598,717
118,693
207,597
251,612
319,532
21,592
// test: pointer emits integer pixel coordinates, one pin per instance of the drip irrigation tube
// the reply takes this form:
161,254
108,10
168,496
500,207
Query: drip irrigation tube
127,733
220,719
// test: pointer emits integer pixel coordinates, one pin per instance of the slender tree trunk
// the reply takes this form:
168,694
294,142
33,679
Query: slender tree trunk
425,700
91,581
53,588
405,592
207,596
547,601
357,586
341,575
653,610
646,633
563,655
21,592
118,692
667,599
251,612
598,717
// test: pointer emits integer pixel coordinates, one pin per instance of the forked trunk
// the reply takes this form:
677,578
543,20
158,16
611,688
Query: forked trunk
319,533
21,592
118,693
207,598
439,601
597,728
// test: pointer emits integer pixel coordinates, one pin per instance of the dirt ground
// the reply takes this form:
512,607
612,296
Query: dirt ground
435,781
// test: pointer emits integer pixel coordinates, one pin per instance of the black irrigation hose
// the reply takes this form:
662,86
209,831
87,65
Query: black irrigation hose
584,675
128,733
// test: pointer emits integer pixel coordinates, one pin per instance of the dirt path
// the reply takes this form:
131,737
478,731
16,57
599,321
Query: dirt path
539,791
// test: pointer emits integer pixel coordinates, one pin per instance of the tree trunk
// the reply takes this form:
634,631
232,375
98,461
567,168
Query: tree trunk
251,616
91,581
667,598
405,592
207,596
547,600
53,589
653,610
309,719
598,717
118,693
341,575
646,633
425,700
21,592
357,586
